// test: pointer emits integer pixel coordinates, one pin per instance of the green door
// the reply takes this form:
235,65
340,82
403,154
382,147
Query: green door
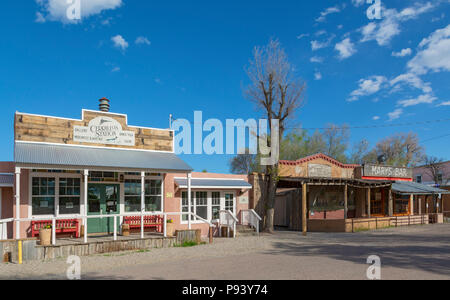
103,199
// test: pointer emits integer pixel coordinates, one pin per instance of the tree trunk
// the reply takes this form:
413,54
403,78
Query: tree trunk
270,203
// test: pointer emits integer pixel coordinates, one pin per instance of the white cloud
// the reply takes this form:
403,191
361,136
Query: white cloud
40,17
316,59
389,27
368,87
434,53
299,37
328,11
317,76
358,3
422,99
395,114
376,118
120,42
346,48
412,80
142,40
56,10
115,69
445,103
402,53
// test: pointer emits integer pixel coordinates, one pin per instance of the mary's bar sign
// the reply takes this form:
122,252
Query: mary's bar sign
387,171
104,130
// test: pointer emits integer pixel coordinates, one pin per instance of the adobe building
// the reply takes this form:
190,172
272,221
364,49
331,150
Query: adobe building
319,193
81,171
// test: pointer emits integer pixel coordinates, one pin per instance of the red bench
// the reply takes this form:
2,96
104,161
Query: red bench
62,227
149,222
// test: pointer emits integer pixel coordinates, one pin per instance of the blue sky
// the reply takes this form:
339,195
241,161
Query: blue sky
155,58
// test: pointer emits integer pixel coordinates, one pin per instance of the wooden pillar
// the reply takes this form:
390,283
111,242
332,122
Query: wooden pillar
411,204
369,204
420,205
142,203
346,202
391,203
304,209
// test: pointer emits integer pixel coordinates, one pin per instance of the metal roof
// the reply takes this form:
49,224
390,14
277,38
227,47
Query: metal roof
59,156
406,187
210,183
6,180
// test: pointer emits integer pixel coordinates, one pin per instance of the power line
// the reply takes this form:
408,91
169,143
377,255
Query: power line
349,127
436,138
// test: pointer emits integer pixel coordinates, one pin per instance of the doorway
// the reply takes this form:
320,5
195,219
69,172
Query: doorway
103,199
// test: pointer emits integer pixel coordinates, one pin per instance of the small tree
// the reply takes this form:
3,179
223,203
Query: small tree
434,168
278,94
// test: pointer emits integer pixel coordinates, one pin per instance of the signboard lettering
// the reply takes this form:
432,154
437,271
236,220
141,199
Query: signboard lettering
104,130
387,171
316,170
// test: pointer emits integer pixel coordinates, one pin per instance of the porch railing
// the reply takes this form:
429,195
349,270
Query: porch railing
228,220
251,218
3,223
4,228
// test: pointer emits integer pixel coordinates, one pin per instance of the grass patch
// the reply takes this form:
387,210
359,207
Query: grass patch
186,244
143,251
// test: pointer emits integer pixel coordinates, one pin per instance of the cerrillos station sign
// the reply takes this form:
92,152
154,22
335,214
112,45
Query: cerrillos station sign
104,130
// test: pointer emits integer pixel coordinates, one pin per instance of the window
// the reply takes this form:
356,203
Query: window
201,204
401,204
69,195
439,178
96,176
419,178
215,205
153,195
185,204
376,203
229,202
43,196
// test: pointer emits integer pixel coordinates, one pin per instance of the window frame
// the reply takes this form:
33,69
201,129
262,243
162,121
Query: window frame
57,177
209,203
138,177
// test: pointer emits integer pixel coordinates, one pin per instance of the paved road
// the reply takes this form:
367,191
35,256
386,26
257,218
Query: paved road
419,252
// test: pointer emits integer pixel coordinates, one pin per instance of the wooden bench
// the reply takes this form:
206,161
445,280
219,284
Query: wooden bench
62,227
149,222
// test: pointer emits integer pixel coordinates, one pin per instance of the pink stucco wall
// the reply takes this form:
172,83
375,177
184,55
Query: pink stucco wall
173,197
426,175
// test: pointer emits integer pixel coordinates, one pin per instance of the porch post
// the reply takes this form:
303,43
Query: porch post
85,220
391,203
17,203
411,199
304,216
189,177
369,208
346,202
420,205
142,203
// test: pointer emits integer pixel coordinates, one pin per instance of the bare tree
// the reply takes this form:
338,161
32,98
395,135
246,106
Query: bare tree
278,94
244,164
434,168
336,140
402,150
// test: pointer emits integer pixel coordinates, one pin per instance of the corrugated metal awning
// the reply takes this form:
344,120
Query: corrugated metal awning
61,156
6,180
408,188
210,183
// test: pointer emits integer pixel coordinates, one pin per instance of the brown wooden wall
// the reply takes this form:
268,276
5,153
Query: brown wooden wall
32,128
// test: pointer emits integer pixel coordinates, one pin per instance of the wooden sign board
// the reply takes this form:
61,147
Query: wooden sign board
386,171
96,128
